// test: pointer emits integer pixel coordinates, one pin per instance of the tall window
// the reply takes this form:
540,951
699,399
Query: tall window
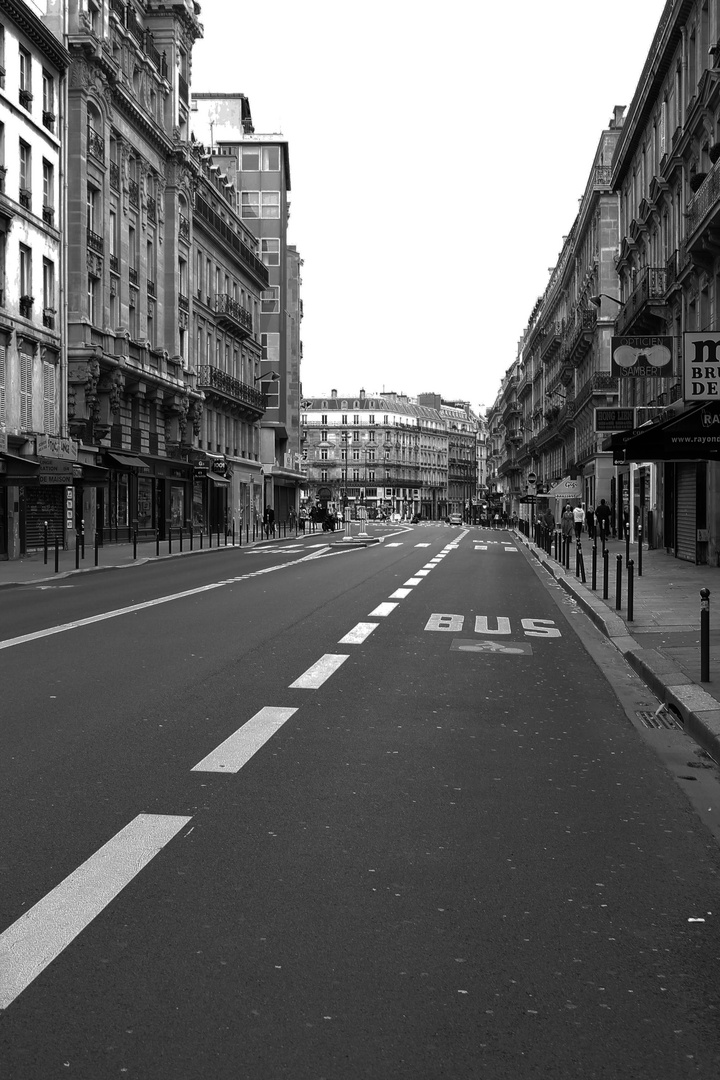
2,56
48,84
25,175
260,204
25,272
92,205
93,298
25,95
48,192
199,275
270,346
48,287
271,300
2,384
270,252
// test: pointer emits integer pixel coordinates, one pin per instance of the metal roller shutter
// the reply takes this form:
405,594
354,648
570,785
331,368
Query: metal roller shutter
44,503
686,512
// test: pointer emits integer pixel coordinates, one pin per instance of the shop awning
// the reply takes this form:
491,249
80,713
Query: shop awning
135,463
13,466
687,436
94,474
220,481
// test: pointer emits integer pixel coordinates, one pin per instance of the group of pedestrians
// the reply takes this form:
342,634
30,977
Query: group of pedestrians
595,519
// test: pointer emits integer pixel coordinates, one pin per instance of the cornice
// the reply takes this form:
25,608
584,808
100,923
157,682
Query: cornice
37,32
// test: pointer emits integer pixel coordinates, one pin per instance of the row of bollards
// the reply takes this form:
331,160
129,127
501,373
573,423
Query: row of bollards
559,545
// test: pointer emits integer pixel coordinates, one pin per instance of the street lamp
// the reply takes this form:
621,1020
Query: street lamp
269,376
597,300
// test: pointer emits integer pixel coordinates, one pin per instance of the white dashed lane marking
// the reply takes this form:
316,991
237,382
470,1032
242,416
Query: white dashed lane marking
383,609
231,755
40,935
316,675
413,581
358,634
400,594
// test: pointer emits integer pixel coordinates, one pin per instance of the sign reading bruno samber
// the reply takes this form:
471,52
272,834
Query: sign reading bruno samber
701,366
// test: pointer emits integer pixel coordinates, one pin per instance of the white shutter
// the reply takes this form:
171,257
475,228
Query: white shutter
26,366
50,427
2,384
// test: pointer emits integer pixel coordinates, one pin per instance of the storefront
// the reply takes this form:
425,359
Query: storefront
147,495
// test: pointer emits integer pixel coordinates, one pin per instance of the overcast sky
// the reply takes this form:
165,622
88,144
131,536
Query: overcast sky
437,155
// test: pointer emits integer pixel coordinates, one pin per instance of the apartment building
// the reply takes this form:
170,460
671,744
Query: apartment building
259,165
38,463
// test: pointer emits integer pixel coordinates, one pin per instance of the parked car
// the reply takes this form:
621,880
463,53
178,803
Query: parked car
456,519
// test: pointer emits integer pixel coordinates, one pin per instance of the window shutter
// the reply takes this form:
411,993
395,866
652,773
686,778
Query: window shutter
49,399
2,384
26,366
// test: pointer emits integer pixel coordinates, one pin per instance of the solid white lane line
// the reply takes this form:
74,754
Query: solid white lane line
316,675
358,634
41,934
231,755
412,581
383,609
62,627
400,594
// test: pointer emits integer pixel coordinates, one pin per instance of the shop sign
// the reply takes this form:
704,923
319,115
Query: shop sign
701,367
57,472
614,419
54,446
641,357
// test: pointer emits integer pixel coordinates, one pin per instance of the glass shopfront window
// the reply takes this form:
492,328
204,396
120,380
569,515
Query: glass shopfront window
198,511
145,503
177,506
116,505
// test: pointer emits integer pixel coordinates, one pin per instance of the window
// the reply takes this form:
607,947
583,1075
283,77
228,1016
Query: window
2,384
25,95
25,273
356,455
323,475
270,251
270,346
356,418
48,192
132,252
25,175
93,295
371,419
270,159
260,158
323,454
271,300
48,84
271,390
2,56
49,392
92,215
48,288
260,204
343,418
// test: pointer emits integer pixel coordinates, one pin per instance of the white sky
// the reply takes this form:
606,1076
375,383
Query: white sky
438,151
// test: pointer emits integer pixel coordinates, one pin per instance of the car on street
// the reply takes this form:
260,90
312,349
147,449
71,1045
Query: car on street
456,519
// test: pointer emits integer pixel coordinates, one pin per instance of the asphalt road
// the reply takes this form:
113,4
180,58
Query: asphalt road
317,815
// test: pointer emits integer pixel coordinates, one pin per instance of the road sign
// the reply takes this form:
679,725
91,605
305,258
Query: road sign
532,478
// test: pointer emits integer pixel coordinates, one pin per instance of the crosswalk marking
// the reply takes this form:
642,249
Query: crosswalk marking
358,634
41,934
231,755
321,670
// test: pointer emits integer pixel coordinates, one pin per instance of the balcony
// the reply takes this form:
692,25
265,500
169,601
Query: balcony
207,216
48,120
134,193
95,242
183,303
579,335
233,315
25,198
26,304
151,288
48,215
114,175
95,144
184,229
115,264
25,99
645,311
49,318
552,340
221,385
183,89
703,218
133,275
151,208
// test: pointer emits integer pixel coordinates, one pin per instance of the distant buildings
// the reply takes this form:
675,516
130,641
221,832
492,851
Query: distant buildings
391,454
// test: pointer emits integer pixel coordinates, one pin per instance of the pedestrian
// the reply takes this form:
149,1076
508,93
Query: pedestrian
269,522
303,519
590,522
292,516
602,516
578,520
566,523
496,519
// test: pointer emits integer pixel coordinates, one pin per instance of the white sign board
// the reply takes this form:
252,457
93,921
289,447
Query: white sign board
701,367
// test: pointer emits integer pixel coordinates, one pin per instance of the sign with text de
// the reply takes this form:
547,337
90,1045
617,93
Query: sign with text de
701,367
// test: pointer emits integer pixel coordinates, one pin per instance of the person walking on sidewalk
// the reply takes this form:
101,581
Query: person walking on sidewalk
269,522
566,523
590,522
602,513
578,520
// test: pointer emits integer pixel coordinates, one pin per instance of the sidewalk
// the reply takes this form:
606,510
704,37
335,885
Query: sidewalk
32,568
662,642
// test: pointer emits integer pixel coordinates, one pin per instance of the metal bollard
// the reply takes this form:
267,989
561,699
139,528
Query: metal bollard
77,552
57,555
233,533
181,539
630,591
627,544
169,541
45,539
210,536
618,582
192,531
640,551
157,542
97,547
593,579
201,538
606,573
704,635
134,543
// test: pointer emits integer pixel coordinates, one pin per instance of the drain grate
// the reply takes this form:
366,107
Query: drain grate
661,718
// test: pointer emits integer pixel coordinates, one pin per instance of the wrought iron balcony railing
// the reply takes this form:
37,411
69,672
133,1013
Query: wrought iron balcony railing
229,308
213,378
95,144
